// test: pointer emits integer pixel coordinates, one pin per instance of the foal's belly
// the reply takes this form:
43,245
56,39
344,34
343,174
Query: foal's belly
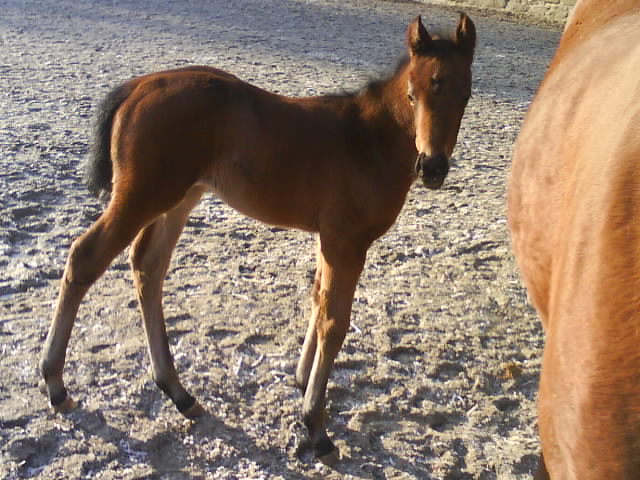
278,202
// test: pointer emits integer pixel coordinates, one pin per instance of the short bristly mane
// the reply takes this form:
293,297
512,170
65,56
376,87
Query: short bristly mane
441,46
375,85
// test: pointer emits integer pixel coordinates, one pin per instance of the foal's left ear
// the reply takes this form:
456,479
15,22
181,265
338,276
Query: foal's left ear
466,34
418,39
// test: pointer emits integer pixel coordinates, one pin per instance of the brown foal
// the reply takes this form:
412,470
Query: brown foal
338,165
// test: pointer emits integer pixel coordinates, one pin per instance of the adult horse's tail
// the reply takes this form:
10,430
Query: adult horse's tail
98,168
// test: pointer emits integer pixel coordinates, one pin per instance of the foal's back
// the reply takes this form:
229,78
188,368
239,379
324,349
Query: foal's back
292,162
574,213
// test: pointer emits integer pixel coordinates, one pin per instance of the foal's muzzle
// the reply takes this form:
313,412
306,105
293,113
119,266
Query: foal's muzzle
432,170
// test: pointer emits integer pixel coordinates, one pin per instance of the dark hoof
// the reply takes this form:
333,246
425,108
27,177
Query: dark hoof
61,403
326,452
194,411
65,406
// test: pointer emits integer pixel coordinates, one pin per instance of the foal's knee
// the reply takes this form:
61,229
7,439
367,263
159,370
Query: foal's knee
331,328
332,334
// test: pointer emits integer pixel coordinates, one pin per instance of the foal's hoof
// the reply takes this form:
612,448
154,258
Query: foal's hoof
194,411
326,452
65,406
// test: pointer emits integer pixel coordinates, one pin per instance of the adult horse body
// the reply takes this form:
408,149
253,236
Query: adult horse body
574,214
338,165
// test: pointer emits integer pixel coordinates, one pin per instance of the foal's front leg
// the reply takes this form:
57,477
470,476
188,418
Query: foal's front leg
338,280
311,338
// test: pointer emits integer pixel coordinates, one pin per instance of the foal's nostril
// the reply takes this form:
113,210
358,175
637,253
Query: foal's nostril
436,165
433,169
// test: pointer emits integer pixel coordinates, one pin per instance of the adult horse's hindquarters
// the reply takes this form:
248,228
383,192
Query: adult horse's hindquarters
574,214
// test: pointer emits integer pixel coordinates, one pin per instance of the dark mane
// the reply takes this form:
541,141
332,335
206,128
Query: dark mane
441,46
375,85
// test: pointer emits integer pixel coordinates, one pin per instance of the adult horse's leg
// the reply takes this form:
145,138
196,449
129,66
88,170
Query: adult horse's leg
310,340
150,257
89,257
542,473
341,268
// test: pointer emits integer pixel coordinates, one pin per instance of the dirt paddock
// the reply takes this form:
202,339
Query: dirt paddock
437,377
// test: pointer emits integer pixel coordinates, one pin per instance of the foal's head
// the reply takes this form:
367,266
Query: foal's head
438,89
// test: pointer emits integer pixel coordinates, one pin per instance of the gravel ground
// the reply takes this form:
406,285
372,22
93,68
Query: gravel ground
438,374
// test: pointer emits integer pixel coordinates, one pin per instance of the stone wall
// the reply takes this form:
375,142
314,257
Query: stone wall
555,11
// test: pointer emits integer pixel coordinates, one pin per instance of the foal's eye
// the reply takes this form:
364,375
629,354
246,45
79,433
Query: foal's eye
411,98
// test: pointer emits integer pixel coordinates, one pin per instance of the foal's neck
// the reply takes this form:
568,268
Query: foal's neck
384,103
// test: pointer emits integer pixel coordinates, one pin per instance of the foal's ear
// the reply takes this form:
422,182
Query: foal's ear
466,34
418,39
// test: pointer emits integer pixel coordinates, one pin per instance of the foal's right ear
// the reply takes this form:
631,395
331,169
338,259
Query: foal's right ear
418,39
466,34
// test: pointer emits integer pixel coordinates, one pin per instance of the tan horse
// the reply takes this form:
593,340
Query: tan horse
337,165
574,214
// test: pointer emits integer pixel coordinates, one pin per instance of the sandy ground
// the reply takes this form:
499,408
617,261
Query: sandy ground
437,377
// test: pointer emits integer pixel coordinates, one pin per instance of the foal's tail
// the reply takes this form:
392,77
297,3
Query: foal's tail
98,168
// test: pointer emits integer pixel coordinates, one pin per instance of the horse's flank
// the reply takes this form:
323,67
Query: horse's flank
588,16
574,206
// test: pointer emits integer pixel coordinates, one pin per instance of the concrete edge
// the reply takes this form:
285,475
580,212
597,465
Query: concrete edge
552,12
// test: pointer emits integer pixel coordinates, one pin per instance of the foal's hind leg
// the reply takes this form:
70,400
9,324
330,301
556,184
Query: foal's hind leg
150,257
89,257
341,269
